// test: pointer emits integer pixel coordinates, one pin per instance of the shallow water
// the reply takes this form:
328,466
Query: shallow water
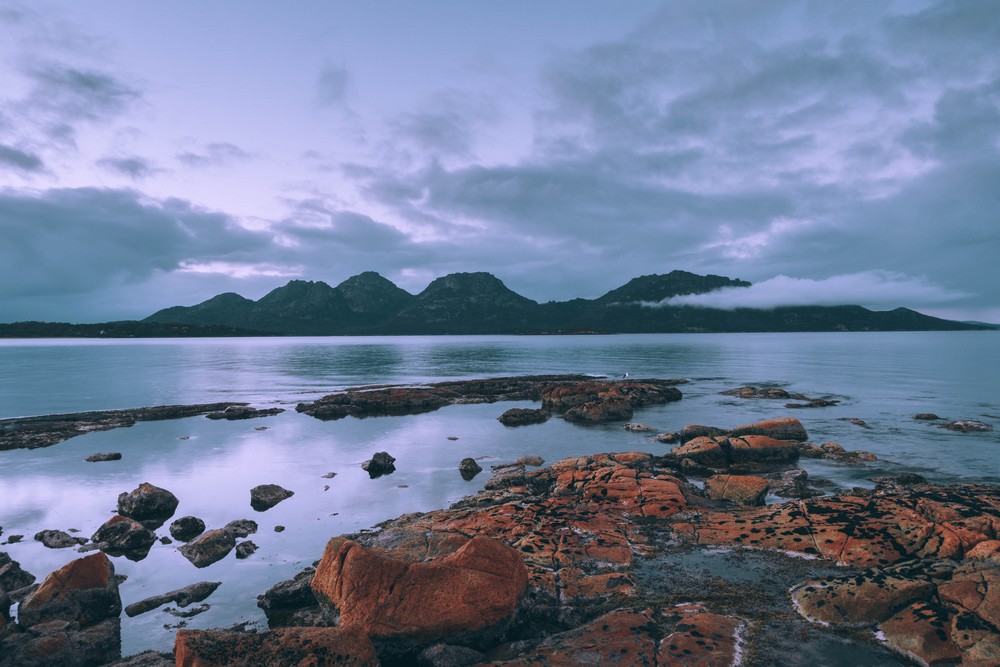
882,378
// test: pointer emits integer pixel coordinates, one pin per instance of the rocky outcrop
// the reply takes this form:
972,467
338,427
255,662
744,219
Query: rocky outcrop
720,452
234,412
245,550
524,416
967,426
285,646
834,452
608,409
787,428
468,590
241,527
403,400
382,463
148,503
209,547
266,496
182,597
46,430
122,536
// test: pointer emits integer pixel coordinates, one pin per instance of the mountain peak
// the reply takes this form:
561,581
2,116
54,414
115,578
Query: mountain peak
657,287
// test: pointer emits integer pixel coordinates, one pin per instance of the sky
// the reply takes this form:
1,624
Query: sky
156,154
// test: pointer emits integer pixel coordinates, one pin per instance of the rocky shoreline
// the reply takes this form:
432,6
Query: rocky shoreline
624,558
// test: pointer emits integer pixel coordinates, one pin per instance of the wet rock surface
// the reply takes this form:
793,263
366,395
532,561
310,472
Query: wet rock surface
105,456
58,539
47,430
234,412
469,468
186,528
967,426
209,547
122,536
627,561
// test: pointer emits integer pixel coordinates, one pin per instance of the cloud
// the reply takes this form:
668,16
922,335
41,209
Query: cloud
80,240
876,289
215,155
20,160
333,85
447,125
133,166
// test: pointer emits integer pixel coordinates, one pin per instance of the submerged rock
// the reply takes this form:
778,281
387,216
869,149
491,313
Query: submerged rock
245,549
379,464
967,426
266,496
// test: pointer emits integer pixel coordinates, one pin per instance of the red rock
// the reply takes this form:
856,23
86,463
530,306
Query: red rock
314,647
471,589
621,637
975,587
700,638
787,428
857,602
84,590
601,410
922,633
739,489
704,450
986,550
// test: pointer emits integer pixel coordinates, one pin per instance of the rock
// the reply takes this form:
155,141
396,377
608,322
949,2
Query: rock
967,426
145,659
530,460
721,452
186,528
83,591
58,539
209,547
245,549
379,464
284,646
814,403
896,481
523,417
792,484
63,643
122,536
243,412
759,392
287,599
266,496
506,475
468,590
739,489
469,468
920,632
926,416
147,502
13,539
46,430
690,432
639,428
12,577
700,637
241,527
448,655
182,597
601,410
279,529
329,475
858,422
106,456
787,428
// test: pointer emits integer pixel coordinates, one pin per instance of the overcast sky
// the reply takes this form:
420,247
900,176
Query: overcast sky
158,153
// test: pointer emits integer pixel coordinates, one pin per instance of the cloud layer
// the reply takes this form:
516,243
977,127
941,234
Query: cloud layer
828,152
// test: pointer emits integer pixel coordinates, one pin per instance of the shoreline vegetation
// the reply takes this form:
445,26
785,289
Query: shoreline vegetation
673,557
480,304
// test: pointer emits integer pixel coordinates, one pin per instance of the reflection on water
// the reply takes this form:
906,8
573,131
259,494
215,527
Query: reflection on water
881,378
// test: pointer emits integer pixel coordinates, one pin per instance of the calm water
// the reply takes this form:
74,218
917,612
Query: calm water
882,378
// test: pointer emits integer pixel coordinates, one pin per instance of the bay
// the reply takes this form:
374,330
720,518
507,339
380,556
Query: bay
880,378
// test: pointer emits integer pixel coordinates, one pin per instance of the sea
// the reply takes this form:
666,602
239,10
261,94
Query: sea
880,379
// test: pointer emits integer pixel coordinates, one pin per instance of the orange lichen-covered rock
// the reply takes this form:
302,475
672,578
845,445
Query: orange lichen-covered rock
787,428
921,632
700,638
739,489
473,588
83,591
284,646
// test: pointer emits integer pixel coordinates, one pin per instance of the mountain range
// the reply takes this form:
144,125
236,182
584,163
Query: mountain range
479,303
